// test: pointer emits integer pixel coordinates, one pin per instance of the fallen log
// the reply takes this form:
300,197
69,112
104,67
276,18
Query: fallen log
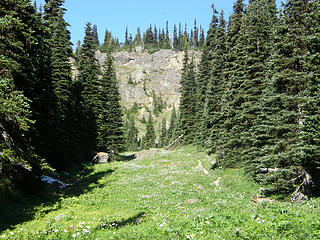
302,192
269,170
174,142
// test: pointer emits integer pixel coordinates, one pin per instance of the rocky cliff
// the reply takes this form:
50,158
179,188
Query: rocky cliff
140,74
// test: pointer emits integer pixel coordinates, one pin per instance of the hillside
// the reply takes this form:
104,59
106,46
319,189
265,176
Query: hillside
171,195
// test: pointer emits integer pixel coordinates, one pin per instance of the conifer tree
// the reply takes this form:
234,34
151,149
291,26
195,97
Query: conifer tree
110,135
150,137
204,74
248,78
233,34
195,34
89,80
310,134
211,118
137,38
131,135
95,35
279,139
175,37
187,106
21,43
173,127
126,37
167,36
60,135
163,133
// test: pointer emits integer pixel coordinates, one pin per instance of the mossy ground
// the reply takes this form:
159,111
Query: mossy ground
166,196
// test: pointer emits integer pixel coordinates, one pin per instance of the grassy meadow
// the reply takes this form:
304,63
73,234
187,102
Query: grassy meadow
171,195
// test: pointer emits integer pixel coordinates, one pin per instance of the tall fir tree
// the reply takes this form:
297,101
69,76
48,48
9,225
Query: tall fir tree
150,137
187,106
131,135
89,81
60,133
211,118
248,79
172,132
310,132
279,141
163,133
21,45
109,122
204,74
95,35
233,34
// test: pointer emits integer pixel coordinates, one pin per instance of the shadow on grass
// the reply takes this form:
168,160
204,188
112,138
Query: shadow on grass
86,184
126,157
136,219
21,208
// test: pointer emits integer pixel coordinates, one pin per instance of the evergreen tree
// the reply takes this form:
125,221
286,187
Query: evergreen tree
110,134
204,74
195,34
21,43
175,37
60,135
163,133
278,143
202,37
155,36
137,38
95,35
150,137
248,78
310,134
172,132
167,36
233,34
89,80
211,118
131,135
126,37
187,106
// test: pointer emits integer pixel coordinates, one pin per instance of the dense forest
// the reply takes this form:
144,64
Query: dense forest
256,94
253,100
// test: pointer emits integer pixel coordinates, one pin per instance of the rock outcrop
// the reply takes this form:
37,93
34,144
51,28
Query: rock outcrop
140,73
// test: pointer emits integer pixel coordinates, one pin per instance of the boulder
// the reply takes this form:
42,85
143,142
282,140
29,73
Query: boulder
59,217
101,157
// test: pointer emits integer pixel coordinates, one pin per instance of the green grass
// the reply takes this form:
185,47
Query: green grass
166,196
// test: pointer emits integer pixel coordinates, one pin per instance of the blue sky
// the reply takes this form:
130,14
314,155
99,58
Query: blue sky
115,16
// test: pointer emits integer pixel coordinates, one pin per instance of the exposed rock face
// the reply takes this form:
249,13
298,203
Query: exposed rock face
140,73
